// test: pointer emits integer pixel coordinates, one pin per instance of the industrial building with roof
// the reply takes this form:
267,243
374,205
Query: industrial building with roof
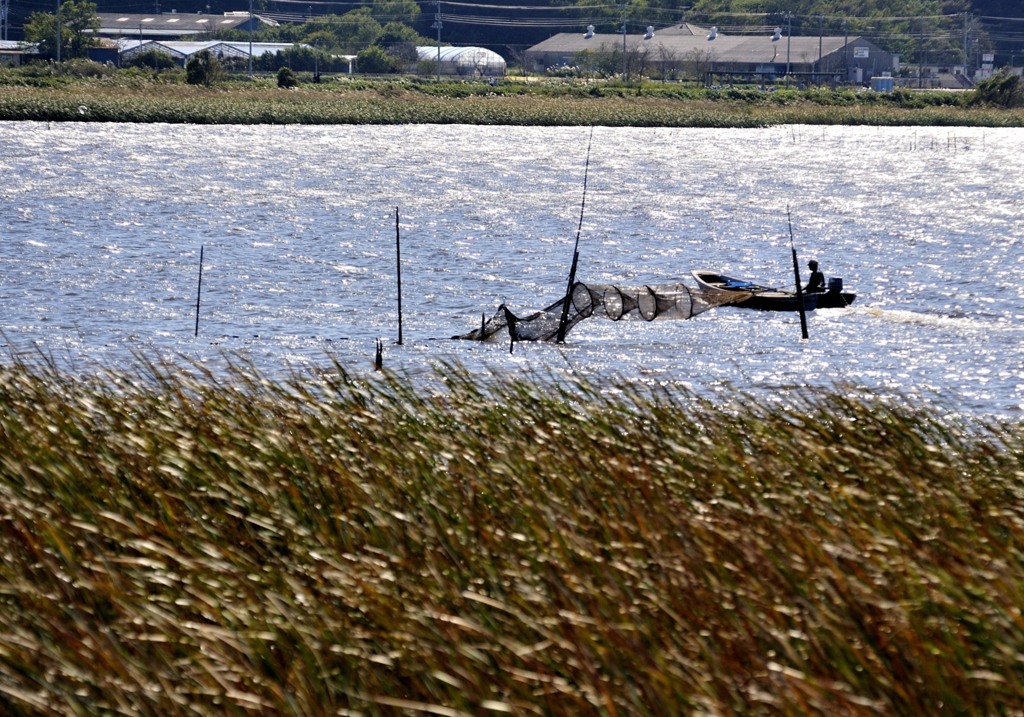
181,50
460,61
15,52
180,35
844,59
175,25
177,35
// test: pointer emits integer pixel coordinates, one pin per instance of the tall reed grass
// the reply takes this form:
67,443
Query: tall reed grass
181,543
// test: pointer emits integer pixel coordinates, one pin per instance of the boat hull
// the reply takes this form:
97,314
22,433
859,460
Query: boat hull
832,299
765,298
779,301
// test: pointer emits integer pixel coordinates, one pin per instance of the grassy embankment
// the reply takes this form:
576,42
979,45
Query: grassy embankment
134,96
344,545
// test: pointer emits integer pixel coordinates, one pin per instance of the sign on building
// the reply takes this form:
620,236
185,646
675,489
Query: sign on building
860,52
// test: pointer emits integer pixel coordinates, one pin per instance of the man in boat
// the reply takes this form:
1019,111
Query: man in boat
816,284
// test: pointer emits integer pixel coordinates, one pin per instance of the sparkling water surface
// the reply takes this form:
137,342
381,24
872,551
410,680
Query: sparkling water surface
102,227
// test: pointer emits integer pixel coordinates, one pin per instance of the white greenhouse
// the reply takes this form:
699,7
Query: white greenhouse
464,61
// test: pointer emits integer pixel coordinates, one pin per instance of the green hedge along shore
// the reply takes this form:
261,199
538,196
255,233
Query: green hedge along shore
133,96
181,544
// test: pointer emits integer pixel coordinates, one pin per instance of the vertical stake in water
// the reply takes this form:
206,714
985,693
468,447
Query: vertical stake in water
510,323
199,290
398,260
796,274
564,319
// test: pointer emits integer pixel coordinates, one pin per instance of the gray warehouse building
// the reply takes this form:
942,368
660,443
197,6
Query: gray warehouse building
175,25
706,51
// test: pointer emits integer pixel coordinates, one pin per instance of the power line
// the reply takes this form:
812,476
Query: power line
513,22
557,8
318,3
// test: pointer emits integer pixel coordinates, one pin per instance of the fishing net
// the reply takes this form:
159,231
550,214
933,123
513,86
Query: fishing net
661,301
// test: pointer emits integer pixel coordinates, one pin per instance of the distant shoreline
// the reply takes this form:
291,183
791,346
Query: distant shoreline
143,98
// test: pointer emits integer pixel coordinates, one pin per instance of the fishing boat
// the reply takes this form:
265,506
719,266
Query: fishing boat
767,298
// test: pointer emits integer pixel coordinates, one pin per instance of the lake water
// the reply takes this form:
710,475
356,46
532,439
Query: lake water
102,226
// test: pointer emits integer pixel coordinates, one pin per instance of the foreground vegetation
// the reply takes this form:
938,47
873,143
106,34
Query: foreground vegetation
85,92
336,544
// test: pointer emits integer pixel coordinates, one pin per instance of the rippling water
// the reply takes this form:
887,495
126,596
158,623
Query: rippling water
102,227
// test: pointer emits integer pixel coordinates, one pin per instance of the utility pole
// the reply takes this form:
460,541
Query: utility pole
623,6
846,53
821,19
437,26
789,36
250,39
967,42
921,56
625,72
4,10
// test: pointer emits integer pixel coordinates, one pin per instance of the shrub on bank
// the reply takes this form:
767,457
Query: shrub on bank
152,59
286,79
203,69
1001,90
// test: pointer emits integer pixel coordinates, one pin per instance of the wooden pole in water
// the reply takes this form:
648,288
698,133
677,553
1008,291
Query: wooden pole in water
510,323
796,274
398,260
199,289
564,319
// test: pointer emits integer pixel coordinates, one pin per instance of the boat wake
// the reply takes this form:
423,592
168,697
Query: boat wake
965,324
